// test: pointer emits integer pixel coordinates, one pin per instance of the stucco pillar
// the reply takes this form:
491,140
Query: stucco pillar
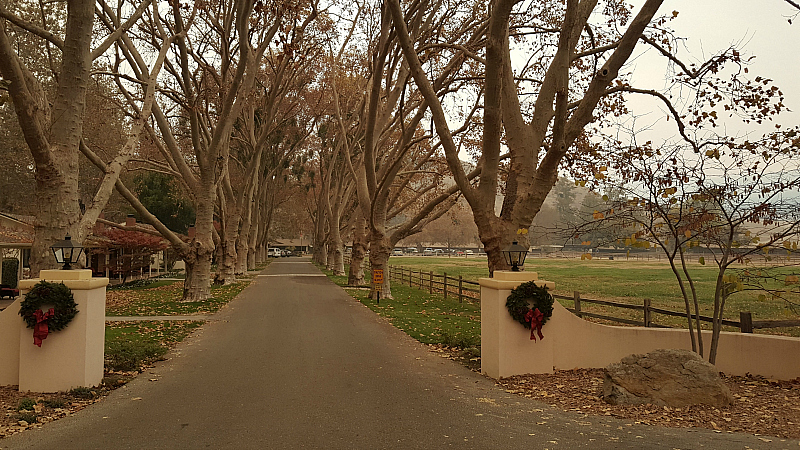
9,344
72,357
502,338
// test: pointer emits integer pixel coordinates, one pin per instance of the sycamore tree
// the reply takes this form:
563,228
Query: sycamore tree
49,100
399,171
271,130
214,53
553,77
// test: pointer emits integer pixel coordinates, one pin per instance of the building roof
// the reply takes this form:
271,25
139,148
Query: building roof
15,238
26,220
289,242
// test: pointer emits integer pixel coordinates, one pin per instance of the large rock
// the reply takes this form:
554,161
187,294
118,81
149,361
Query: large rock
665,377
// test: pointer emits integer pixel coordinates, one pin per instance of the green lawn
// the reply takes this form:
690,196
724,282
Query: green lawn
130,345
162,298
428,318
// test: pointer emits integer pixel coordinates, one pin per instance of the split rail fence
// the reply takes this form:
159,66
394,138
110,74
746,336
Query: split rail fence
458,287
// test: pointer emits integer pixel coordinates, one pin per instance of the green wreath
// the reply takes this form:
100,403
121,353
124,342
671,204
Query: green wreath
57,295
528,297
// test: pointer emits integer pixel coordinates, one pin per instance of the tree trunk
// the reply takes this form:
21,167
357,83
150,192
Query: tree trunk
243,244
58,212
252,249
226,266
355,275
330,254
197,286
378,260
319,242
336,249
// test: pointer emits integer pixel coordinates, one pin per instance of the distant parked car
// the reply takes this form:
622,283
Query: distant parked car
397,252
427,252
469,253
460,253
438,252
274,252
412,250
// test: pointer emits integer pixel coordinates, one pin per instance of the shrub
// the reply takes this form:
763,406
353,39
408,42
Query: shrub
26,404
83,392
457,340
27,417
53,403
129,356
10,272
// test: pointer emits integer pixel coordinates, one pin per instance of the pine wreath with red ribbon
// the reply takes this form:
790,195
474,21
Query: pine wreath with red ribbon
530,305
61,312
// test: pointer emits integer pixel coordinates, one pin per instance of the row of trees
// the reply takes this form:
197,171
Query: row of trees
205,94
364,113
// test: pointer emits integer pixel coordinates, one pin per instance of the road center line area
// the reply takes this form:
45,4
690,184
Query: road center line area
292,275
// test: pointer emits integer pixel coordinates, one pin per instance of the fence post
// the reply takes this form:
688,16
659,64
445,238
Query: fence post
460,290
746,322
430,281
445,285
409,277
577,296
647,317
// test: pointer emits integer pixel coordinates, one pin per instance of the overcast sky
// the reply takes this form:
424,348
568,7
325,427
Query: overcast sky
758,27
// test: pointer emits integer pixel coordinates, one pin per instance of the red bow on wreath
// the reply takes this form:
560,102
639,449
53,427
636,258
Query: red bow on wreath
40,330
535,317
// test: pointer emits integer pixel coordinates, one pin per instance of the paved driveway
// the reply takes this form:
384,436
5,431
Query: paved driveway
294,362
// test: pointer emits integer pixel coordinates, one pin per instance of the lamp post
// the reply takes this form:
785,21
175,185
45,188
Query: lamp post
66,252
515,256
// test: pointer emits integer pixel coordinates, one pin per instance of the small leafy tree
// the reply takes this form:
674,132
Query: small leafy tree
136,247
736,201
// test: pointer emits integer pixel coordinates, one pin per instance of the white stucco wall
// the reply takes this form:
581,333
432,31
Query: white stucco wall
571,342
68,358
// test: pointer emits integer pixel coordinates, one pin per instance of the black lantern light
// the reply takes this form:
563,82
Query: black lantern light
515,256
66,252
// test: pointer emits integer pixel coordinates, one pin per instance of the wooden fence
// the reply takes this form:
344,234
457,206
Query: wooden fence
435,283
745,324
447,285
470,290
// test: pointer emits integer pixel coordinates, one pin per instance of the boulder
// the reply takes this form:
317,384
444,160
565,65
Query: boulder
665,377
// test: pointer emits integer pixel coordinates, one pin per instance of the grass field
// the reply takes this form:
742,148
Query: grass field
621,281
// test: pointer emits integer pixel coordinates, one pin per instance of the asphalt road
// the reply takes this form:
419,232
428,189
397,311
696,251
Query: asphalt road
294,362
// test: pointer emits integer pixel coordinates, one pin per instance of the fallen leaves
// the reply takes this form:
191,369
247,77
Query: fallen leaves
48,407
762,406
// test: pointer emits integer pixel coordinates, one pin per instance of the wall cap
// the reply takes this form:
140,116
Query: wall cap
494,283
74,284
